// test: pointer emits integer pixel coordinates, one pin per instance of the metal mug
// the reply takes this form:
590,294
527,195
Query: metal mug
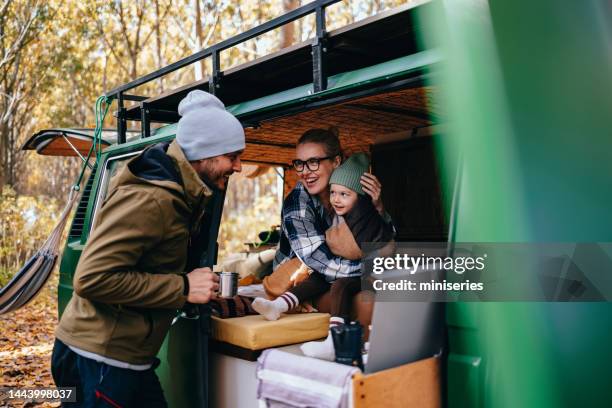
228,284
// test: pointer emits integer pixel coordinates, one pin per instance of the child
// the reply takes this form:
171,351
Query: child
355,222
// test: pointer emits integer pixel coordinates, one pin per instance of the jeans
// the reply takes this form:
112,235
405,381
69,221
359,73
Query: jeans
101,385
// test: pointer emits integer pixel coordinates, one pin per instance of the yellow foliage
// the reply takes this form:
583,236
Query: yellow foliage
25,224
251,206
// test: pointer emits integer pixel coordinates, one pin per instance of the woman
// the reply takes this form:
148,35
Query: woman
307,211
307,214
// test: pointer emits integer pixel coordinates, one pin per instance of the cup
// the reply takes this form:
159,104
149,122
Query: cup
347,340
228,284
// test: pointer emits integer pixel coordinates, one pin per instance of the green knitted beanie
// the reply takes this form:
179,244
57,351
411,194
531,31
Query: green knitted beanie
349,173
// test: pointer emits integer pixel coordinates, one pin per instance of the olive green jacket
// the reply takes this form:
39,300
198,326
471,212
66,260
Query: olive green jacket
128,283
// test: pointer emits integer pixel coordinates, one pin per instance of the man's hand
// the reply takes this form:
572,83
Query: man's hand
203,284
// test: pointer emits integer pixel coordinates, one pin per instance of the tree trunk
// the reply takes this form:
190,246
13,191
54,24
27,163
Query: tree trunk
288,30
10,176
199,66
4,154
160,62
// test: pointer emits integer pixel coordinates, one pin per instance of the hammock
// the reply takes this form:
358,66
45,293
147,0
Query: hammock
30,279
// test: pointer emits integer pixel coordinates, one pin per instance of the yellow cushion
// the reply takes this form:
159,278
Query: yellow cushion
256,333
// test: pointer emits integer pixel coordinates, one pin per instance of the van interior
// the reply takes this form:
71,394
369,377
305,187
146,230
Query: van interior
399,133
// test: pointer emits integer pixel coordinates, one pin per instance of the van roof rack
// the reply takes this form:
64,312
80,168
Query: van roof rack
382,37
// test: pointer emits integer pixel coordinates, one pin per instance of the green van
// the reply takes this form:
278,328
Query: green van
473,137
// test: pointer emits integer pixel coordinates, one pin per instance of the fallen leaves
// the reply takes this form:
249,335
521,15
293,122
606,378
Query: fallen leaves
26,343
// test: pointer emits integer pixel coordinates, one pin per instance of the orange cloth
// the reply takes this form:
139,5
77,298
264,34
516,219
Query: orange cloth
287,275
248,280
341,242
291,273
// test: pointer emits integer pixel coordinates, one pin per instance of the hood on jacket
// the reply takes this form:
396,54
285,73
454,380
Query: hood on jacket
165,165
154,164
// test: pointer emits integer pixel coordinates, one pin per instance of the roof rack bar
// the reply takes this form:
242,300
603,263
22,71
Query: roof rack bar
145,122
319,50
162,116
247,35
121,122
213,83
135,98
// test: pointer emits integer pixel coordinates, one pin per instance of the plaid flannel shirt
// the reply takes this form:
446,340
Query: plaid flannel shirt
304,222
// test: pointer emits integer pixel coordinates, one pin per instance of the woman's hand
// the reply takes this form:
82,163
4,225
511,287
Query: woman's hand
373,188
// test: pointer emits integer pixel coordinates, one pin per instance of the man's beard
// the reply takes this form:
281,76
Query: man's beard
214,185
212,178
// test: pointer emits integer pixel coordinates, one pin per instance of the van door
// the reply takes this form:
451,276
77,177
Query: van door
62,142
70,142
184,371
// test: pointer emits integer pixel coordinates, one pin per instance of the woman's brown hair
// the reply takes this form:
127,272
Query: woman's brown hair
326,137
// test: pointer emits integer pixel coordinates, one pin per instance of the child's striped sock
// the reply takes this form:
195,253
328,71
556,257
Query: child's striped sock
272,309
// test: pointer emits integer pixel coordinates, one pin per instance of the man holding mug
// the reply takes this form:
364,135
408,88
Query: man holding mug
130,281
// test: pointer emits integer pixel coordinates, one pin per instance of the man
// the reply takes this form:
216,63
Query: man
129,282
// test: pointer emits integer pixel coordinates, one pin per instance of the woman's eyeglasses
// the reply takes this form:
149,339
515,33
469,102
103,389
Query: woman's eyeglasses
312,163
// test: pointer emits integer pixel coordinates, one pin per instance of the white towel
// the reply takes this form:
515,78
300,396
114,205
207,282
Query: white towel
289,380
252,291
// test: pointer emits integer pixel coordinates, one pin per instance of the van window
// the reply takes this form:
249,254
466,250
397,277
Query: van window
253,204
111,167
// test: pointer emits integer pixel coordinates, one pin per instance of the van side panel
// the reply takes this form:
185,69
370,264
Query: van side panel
527,90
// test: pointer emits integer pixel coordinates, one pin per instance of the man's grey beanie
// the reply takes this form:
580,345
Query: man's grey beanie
206,129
